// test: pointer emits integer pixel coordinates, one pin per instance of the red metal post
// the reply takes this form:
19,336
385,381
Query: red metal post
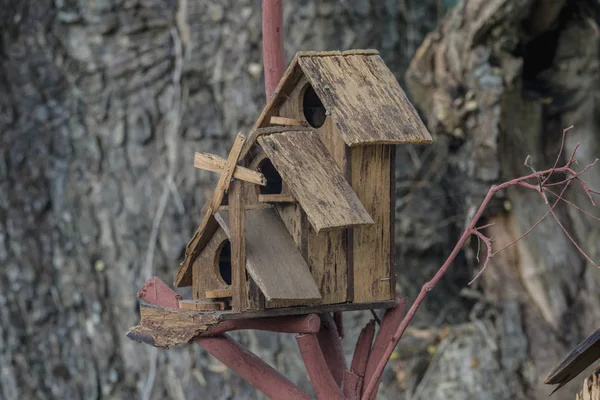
272,38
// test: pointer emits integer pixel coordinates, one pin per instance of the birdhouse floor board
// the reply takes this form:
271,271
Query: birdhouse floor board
167,327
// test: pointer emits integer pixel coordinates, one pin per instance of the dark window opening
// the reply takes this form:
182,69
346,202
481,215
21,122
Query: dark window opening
274,182
224,262
313,109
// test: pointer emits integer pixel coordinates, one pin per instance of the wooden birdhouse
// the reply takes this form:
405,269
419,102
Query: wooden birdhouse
303,213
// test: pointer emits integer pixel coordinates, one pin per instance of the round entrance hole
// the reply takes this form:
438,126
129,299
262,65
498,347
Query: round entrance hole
313,109
223,262
274,182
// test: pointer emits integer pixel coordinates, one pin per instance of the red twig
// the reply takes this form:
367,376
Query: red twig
541,179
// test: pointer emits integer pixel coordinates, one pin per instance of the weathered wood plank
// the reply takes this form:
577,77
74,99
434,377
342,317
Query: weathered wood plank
218,293
372,244
274,262
201,305
365,99
315,180
237,224
276,198
213,163
287,121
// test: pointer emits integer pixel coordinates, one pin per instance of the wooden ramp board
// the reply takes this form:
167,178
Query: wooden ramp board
273,260
315,180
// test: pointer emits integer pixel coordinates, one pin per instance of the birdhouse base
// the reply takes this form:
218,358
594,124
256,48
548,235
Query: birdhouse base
169,326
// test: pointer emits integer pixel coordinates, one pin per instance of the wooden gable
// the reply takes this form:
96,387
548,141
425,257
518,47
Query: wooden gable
315,180
359,93
273,260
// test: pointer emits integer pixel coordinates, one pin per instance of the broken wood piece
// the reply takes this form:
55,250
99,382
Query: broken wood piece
286,121
166,327
210,162
201,305
218,294
237,224
276,198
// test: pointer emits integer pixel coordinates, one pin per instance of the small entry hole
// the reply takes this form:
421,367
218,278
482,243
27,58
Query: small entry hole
313,109
223,262
274,182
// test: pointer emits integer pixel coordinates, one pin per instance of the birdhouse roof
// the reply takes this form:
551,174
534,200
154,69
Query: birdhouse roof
359,93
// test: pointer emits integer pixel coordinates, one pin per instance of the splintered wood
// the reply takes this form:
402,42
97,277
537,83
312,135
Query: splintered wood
315,180
365,99
164,327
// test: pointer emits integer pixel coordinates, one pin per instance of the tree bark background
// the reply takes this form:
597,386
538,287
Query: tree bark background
103,103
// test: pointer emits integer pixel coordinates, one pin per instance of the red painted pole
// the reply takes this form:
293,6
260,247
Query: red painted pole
272,38
318,371
389,324
331,346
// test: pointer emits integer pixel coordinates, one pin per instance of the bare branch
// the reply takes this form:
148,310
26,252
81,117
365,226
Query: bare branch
488,257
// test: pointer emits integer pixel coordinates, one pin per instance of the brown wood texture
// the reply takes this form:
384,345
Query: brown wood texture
364,98
274,261
315,180
164,327
287,121
208,225
204,273
372,244
276,198
213,163
237,223
201,305
218,293
591,387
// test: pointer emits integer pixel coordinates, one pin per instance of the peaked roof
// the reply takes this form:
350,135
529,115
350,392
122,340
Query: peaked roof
359,92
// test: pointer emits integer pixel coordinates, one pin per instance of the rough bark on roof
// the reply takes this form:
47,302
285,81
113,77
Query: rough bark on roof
315,180
359,92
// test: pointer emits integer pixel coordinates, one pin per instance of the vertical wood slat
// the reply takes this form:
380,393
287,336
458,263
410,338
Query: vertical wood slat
237,226
371,261
392,222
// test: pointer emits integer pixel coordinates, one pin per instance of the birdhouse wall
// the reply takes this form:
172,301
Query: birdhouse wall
205,269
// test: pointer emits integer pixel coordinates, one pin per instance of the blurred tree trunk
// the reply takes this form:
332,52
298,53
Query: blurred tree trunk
498,80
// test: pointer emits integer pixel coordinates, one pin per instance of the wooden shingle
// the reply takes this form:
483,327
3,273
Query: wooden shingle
315,180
